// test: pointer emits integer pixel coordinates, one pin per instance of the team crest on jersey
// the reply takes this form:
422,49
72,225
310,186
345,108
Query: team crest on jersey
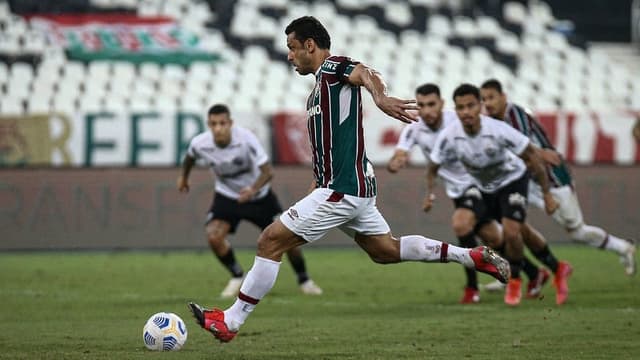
491,151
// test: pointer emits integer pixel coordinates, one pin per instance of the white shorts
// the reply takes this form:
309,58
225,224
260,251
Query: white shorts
569,213
325,209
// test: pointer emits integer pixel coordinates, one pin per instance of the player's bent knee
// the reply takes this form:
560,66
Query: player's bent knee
275,240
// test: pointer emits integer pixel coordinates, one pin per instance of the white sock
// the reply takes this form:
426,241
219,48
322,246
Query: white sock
617,245
420,248
599,238
259,280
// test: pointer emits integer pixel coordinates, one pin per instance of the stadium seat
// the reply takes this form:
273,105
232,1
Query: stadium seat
10,105
454,40
38,105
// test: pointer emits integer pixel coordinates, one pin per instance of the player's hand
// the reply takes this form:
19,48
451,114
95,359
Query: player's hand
551,157
427,203
403,110
550,203
183,184
246,194
395,164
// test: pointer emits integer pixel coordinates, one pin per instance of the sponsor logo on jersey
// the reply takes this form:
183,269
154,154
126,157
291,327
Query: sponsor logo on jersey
314,110
293,214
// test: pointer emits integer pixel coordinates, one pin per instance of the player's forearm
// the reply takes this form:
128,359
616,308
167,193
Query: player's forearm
266,174
373,82
537,168
187,165
432,172
540,176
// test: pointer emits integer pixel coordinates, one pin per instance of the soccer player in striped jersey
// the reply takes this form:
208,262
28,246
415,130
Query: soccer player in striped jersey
469,217
344,186
569,214
242,192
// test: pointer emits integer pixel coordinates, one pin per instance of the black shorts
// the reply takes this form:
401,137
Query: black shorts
261,212
472,199
510,201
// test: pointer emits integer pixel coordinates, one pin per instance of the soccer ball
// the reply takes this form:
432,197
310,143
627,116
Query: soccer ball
164,331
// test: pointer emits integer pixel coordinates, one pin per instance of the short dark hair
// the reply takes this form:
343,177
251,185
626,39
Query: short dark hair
219,109
466,89
428,88
492,84
308,27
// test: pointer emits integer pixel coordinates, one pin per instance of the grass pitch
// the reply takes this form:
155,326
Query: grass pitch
93,306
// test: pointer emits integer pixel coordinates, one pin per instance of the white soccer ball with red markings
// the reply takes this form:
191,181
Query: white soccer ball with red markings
164,331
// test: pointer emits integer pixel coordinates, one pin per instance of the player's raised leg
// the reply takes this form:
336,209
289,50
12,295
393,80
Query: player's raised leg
384,249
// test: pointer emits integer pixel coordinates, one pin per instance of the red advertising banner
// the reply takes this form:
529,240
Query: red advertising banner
583,138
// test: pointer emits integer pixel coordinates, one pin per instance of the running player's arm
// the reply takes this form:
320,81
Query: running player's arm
266,174
436,157
398,161
401,155
432,173
535,131
539,171
371,79
261,159
183,180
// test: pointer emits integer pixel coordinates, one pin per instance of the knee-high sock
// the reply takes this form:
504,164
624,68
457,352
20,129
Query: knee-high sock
229,261
546,257
259,280
599,238
420,248
530,268
299,266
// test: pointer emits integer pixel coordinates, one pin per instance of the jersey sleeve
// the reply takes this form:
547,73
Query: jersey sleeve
257,153
192,149
439,148
345,68
514,140
407,138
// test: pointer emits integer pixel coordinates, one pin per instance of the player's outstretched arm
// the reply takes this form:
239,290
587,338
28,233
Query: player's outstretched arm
183,180
403,110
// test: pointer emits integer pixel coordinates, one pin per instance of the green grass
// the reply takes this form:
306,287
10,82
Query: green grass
93,306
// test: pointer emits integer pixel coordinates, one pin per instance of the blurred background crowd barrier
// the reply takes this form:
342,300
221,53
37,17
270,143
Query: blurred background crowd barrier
141,208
